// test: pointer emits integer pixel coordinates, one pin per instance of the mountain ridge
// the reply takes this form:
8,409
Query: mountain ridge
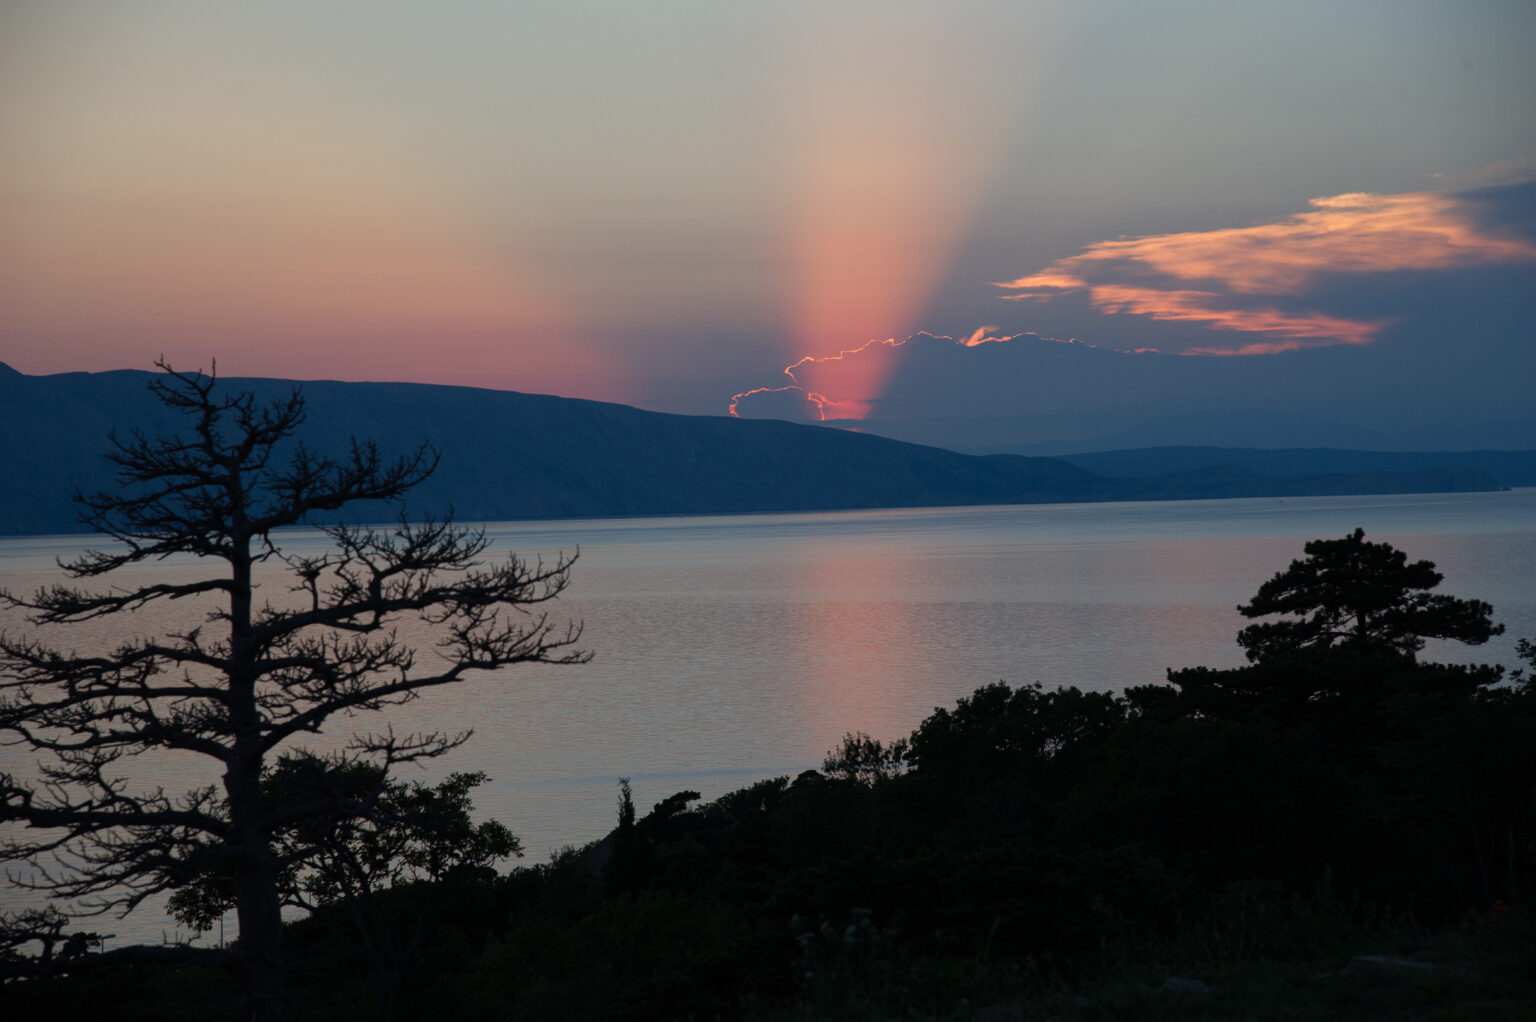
512,456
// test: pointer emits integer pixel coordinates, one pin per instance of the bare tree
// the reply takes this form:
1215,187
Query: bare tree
252,676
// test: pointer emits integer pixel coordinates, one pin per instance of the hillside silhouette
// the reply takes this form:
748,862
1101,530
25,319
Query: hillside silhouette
508,456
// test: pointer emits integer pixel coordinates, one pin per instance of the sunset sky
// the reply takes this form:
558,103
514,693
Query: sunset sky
1098,222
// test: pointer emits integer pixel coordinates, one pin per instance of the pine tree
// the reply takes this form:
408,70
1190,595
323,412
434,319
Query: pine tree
1351,595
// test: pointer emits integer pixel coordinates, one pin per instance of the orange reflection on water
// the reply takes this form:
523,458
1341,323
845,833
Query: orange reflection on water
860,634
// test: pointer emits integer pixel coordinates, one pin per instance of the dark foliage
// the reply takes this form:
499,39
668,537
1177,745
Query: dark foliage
251,678
1352,617
1353,596
1013,846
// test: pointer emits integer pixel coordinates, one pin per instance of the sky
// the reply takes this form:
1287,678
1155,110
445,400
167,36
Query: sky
990,225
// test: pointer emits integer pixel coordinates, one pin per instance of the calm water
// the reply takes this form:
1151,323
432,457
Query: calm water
729,649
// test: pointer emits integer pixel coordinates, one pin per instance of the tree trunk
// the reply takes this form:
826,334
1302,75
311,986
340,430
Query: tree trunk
257,902
261,943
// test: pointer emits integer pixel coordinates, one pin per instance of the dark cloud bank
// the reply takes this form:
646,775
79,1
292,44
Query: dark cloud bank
1382,322
1033,393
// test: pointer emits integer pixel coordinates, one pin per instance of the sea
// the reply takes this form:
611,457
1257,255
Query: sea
729,649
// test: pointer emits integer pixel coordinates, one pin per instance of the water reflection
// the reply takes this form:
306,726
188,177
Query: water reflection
735,648
866,624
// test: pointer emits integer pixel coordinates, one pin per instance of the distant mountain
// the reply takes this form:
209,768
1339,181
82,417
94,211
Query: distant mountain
520,456
1512,468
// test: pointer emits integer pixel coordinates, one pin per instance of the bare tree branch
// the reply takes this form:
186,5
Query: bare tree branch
240,687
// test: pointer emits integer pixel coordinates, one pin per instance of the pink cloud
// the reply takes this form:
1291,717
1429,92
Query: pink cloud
982,335
1356,233
1204,307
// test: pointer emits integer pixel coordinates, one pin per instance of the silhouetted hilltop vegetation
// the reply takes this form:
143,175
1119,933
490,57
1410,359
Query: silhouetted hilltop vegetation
521,456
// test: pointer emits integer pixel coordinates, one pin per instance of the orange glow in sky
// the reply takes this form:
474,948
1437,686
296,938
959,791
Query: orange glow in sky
224,232
883,159
662,204
844,384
